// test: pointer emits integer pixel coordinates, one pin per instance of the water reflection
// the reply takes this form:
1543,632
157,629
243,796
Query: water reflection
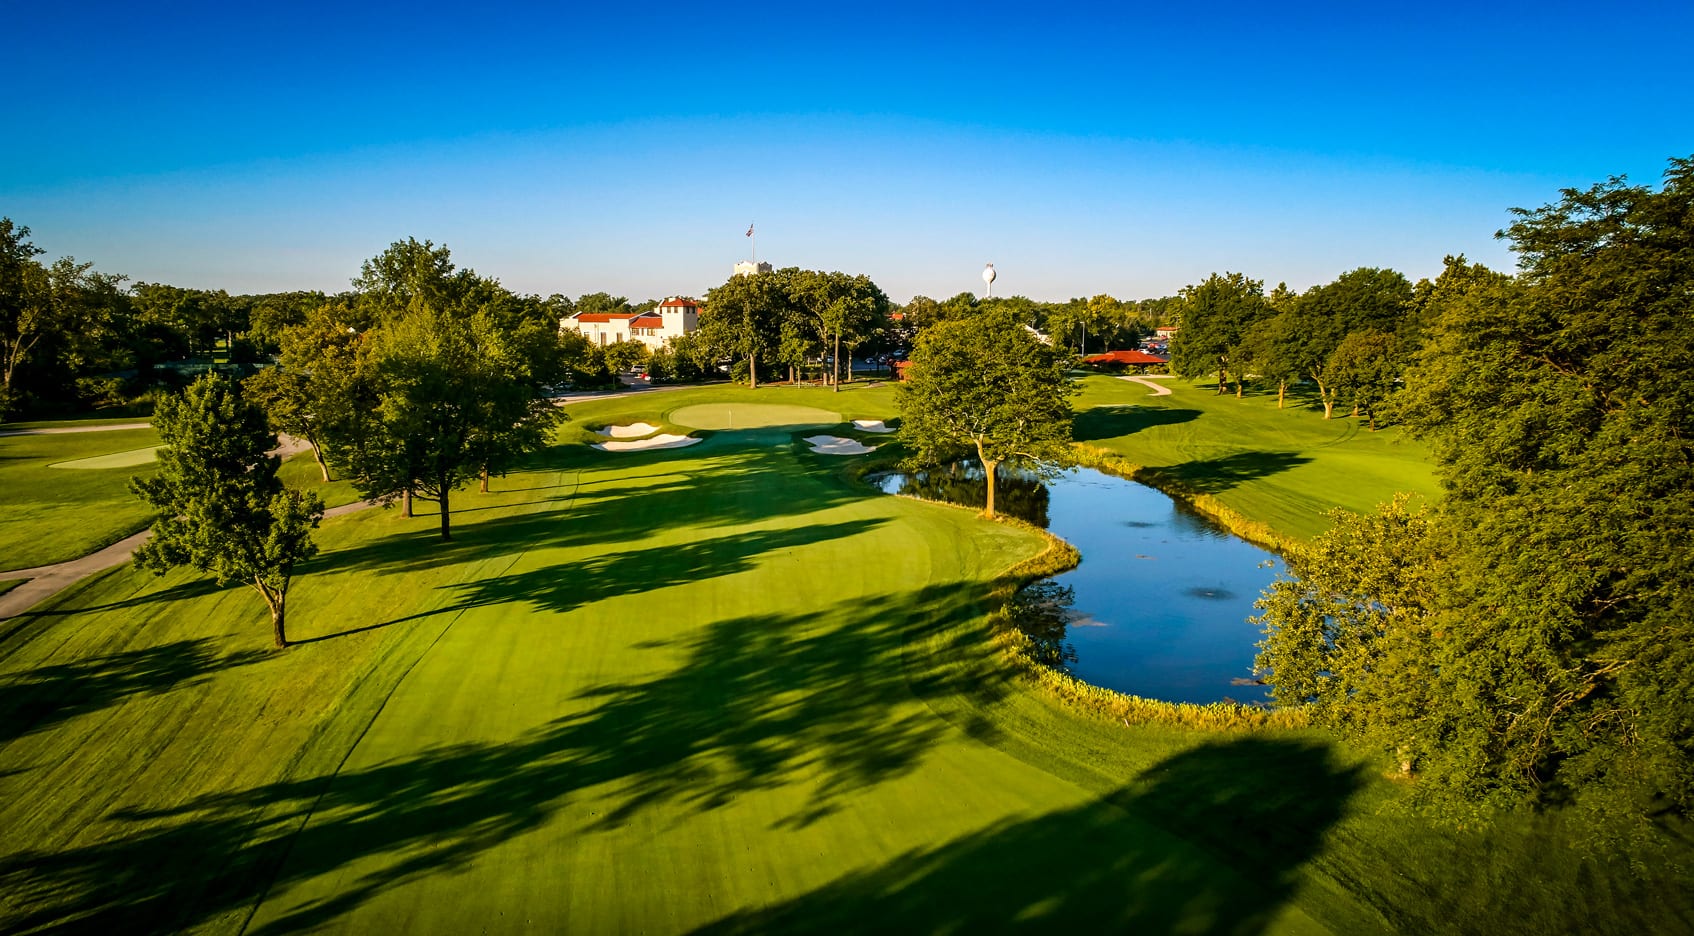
1158,606
1016,493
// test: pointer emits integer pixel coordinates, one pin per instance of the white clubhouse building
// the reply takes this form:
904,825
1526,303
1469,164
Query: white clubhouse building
675,316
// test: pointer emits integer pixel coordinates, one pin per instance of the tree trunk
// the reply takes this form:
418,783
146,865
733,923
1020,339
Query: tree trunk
318,455
1325,395
406,503
484,488
753,370
1281,392
988,474
835,365
278,603
446,521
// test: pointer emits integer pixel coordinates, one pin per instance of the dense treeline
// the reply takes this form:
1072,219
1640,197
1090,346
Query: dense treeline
1529,639
1350,340
73,338
422,378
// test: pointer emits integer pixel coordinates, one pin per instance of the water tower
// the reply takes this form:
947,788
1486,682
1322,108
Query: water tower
988,279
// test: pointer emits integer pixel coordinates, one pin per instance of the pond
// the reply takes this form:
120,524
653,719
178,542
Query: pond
1159,605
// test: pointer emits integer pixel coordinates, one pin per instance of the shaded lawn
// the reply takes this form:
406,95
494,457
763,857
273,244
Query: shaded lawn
1286,468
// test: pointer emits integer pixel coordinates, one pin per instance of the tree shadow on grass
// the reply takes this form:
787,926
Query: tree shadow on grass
181,591
1216,475
724,491
821,702
1262,805
567,586
1116,421
41,697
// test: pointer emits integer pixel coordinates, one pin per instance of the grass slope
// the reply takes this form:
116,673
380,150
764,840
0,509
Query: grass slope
54,514
715,689
1286,468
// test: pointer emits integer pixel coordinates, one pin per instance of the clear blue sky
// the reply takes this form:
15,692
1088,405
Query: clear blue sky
1128,149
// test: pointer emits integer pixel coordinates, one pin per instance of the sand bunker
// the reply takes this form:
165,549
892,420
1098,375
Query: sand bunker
631,431
720,417
127,459
870,425
665,441
835,445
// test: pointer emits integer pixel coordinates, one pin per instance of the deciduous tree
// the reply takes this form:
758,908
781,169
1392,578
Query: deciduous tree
221,507
986,384
1555,627
1215,315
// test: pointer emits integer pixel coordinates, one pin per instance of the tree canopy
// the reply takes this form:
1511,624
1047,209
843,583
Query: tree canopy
1216,314
221,506
1532,638
986,384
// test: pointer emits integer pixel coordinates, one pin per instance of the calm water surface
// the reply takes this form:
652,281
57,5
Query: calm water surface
1162,595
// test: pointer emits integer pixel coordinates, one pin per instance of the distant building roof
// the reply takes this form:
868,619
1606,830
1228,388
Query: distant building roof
604,316
679,302
647,321
1125,357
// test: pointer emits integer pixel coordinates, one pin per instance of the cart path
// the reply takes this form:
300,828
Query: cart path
1147,381
65,430
48,580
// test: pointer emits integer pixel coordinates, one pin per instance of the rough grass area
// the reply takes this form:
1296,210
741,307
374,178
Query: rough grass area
1284,468
716,689
54,515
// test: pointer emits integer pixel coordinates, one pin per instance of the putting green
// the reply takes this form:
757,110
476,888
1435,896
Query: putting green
129,459
751,416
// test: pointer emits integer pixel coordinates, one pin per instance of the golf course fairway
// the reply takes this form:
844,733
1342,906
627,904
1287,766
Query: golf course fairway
715,689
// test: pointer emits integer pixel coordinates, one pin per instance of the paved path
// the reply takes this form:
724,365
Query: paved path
1146,380
64,430
48,580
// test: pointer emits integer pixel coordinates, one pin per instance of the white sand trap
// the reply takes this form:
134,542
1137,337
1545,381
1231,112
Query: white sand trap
631,431
641,445
835,445
870,425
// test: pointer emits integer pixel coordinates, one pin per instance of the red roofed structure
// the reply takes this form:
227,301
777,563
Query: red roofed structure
675,316
1131,358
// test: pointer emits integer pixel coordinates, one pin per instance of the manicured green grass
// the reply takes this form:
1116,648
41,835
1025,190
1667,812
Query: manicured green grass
301,471
1286,468
7,585
130,459
52,514
711,689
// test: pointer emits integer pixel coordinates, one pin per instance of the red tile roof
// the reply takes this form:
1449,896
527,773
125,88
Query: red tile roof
647,321
1125,357
679,303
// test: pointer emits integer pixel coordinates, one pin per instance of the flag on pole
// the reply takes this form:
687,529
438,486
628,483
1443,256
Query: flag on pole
749,230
